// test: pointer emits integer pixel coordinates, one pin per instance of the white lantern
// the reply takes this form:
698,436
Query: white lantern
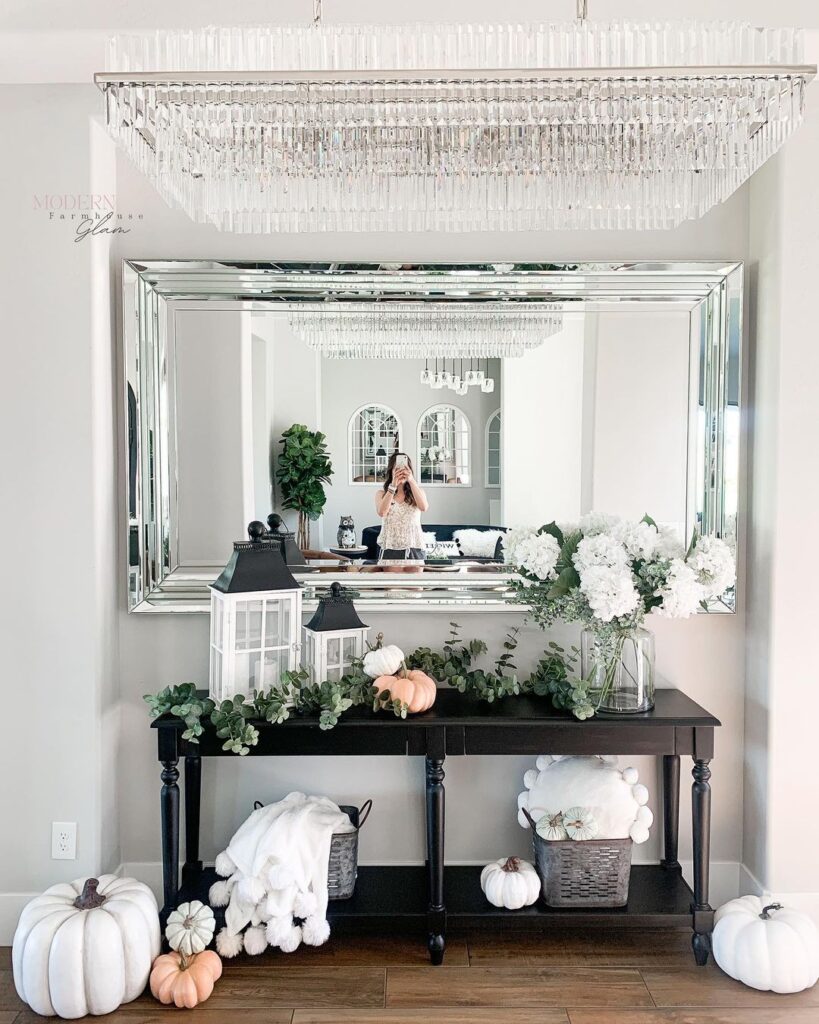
255,618
334,638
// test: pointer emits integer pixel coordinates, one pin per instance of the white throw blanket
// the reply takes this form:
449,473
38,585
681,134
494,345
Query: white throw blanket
276,871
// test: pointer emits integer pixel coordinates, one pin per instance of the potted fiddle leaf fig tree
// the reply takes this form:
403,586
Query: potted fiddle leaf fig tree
304,468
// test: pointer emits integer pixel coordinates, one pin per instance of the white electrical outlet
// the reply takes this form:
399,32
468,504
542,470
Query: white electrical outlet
63,840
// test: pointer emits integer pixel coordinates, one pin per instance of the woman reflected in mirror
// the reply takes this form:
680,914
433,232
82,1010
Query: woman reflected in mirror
399,504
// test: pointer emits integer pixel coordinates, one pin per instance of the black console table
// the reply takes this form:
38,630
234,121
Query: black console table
459,725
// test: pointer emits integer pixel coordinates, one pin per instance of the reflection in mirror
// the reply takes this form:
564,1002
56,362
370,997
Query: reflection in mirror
621,406
374,435
443,447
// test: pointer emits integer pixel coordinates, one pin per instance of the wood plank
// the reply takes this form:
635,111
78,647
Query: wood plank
616,947
5,958
9,1016
697,1015
708,986
514,987
359,951
153,1013
9,999
249,988
493,1015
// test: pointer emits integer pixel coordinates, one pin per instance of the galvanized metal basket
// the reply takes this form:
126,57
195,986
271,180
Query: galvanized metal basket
343,867
591,873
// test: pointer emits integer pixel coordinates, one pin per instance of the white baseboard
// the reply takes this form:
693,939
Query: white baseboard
806,902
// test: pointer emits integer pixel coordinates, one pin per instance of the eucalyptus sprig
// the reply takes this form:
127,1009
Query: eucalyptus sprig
183,702
232,719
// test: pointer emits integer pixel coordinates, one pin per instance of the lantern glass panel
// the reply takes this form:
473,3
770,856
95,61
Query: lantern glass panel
333,652
243,671
275,663
350,650
277,623
249,626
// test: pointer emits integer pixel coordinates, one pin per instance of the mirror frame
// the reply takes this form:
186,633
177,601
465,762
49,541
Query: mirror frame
153,290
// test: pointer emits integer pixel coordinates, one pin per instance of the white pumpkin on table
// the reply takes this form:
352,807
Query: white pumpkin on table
510,883
86,947
768,947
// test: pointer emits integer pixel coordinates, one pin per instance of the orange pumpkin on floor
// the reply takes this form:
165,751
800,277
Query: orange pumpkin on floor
185,981
414,688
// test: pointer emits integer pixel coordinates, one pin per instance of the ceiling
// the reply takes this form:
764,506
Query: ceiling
105,15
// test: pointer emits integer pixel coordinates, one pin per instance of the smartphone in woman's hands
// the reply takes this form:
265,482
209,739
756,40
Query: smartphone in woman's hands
401,462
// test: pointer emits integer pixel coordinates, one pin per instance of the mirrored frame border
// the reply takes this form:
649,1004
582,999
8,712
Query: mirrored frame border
712,293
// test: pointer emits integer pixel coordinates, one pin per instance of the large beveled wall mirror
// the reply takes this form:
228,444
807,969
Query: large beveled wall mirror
521,394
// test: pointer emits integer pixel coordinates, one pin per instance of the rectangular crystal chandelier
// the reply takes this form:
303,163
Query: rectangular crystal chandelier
425,330
458,127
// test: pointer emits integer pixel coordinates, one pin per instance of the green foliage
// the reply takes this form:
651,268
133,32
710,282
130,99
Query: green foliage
454,664
232,720
304,467
551,679
183,702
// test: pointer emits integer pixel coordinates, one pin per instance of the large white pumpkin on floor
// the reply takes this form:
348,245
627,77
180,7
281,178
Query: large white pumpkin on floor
769,948
614,797
511,883
86,947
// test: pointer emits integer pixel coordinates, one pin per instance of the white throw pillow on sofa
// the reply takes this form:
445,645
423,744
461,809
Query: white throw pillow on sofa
477,543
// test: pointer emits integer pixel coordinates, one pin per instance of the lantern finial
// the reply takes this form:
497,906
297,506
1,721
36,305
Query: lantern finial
256,531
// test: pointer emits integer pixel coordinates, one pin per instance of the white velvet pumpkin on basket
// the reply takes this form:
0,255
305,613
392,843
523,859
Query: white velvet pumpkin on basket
86,947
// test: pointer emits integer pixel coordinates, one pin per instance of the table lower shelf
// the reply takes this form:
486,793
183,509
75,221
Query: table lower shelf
390,896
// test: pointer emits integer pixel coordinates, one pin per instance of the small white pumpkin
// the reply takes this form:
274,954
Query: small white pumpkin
768,948
511,883
383,661
580,824
86,946
190,928
551,827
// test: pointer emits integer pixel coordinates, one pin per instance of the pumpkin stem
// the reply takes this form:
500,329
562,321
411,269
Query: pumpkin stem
512,864
89,898
765,916
183,962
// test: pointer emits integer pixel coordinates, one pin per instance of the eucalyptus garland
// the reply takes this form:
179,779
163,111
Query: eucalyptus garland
454,665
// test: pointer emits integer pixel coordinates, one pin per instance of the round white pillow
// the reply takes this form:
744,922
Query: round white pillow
614,797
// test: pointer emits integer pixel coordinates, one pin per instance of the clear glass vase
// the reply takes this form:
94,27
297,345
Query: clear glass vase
620,670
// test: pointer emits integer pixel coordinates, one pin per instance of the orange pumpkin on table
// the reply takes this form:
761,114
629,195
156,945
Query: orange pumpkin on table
185,981
414,688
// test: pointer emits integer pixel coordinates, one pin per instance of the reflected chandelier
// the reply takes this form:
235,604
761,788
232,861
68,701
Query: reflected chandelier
453,127
422,330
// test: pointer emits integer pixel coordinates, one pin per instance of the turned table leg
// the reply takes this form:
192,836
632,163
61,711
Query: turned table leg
169,810
436,912
671,811
703,915
193,796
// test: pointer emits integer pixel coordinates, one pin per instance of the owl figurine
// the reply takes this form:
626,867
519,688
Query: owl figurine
346,532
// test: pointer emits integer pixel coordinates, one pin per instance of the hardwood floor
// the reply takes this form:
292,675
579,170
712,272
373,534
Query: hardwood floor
617,977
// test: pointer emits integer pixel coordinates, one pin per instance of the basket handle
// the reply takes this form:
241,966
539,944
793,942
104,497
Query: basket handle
364,813
530,819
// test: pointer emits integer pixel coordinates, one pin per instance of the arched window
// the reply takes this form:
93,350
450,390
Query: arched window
375,433
493,450
444,447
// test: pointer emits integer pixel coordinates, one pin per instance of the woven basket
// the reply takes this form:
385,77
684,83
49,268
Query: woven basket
591,873
343,866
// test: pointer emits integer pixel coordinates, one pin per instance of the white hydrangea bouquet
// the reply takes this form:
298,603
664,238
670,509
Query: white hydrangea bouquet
609,573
